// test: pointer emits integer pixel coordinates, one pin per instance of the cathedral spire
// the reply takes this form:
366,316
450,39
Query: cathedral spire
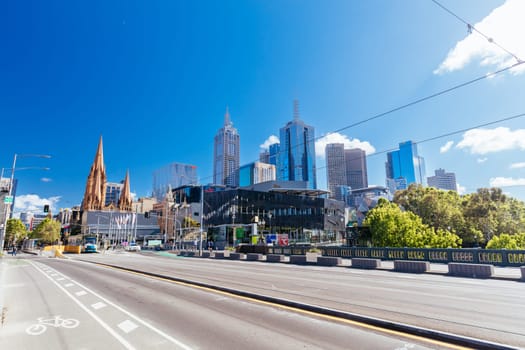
95,194
125,201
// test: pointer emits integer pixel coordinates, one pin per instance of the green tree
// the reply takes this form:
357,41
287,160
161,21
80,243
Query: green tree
15,231
48,231
506,241
392,227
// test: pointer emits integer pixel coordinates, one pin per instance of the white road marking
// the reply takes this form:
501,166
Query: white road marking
81,293
98,305
60,279
103,324
69,285
127,326
117,336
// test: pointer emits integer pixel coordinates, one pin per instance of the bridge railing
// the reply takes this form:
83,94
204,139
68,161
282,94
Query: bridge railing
472,255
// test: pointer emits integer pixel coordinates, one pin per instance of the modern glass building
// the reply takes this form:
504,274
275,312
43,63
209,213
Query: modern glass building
113,190
356,171
296,160
226,154
346,168
172,175
255,173
405,164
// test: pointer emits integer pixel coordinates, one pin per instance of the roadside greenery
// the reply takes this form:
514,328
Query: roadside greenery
15,231
428,217
48,231
392,227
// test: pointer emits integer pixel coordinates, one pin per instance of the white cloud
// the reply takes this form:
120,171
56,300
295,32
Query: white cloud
33,203
505,26
269,141
321,143
517,165
46,179
446,147
483,141
506,182
461,189
482,160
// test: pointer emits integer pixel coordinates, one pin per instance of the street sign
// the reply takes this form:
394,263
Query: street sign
8,200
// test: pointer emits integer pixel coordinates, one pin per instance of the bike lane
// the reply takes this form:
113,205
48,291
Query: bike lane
60,313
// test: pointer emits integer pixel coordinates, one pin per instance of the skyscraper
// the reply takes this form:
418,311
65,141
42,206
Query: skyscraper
356,171
443,180
226,156
297,152
335,169
346,168
404,166
173,175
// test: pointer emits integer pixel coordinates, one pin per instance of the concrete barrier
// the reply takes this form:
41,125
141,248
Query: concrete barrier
365,263
219,255
298,259
329,261
522,273
472,270
278,258
253,257
237,256
204,254
411,266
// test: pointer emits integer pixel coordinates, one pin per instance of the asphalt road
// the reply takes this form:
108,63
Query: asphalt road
492,310
68,304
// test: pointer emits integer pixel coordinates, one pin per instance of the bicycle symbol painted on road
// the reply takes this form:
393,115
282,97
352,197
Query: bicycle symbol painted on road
56,321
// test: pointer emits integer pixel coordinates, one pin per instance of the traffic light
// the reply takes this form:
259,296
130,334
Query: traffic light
46,208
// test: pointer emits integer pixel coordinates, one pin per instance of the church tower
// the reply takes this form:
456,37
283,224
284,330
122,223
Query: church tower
95,194
125,202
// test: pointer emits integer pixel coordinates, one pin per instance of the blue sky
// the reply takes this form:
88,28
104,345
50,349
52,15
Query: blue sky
154,79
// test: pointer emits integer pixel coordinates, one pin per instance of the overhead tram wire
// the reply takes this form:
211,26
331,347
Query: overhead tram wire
471,28
433,138
410,104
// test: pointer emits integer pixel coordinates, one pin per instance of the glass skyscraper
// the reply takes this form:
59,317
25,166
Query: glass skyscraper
405,164
173,175
226,156
296,161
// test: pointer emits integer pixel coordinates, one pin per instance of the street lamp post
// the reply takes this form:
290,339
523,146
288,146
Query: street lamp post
10,191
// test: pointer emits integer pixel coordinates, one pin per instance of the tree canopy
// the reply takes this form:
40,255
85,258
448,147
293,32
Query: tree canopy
15,231
392,227
48,231
476,218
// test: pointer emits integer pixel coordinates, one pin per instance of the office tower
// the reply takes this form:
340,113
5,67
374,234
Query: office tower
346,169
226,154
257,172
443,180
172,176
296,160
404,166
113,190
335,169
356,171
274,153
264,157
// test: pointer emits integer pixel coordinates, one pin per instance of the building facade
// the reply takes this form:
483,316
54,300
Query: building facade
226,154
296,161
113,190
404,167
346,168
255,173
173,175
356,170
443,180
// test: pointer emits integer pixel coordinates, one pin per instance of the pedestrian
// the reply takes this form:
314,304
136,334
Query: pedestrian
13,253
210,246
